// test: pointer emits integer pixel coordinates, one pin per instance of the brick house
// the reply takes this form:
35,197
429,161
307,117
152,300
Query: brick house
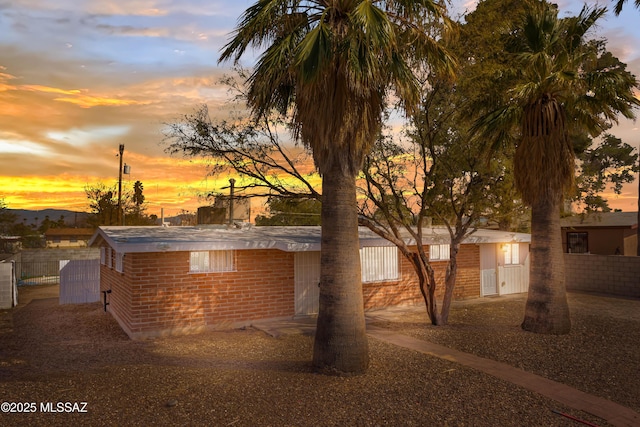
175,280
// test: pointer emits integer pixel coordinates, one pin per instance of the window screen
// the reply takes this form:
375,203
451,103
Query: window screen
211,261
439,252
379,264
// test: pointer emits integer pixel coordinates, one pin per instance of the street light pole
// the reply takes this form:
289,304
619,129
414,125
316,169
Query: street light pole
121,150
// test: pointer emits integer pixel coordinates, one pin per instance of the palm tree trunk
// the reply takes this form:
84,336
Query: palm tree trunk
341,341
546,310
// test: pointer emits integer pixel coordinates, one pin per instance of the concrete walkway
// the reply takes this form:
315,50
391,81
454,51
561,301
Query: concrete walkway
612,412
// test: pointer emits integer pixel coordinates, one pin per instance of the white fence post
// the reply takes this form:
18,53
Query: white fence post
8,291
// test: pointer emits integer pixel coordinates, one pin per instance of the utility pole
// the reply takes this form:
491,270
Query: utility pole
638,219
231,194
120,186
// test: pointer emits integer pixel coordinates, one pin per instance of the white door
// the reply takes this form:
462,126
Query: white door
513,268
307,278
488,276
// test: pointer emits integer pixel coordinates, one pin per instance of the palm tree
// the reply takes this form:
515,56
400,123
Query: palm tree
331,65
562,86
620,3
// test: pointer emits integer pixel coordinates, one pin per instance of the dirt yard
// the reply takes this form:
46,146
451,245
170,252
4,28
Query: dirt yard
59,361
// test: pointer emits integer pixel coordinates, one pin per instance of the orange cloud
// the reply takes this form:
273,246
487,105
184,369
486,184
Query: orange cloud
46,89
86,101
78,97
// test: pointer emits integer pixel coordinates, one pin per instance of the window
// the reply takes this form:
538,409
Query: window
379,264
511,253
211,261
439,252
119,260
577,243
108,261
103,255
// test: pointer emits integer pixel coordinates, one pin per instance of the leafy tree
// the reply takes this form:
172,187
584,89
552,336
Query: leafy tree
103,205
47,223
558,88
7,218
438,174
251,146
331,65
296,211
610,163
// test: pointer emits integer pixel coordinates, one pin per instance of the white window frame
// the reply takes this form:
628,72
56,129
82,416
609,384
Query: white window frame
219,261
511,253
119,262
379,264
440,252
108,258
103,255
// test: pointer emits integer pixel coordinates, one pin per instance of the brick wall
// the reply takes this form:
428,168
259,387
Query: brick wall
406,290
609,274
157,294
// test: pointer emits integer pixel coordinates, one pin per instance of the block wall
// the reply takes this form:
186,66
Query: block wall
57,254
608,274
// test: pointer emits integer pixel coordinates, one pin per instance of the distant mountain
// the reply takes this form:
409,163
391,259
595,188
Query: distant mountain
71,218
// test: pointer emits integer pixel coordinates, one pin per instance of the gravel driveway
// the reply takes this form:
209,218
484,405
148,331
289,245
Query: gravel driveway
65,360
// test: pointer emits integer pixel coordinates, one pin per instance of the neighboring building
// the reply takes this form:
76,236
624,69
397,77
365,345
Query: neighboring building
173,280
67,237
10,244
220,211
608,233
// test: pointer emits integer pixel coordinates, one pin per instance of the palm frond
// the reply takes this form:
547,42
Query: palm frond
333,64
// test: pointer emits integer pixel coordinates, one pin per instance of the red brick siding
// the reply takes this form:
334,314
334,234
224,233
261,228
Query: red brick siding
468,278
121,293
406,290
156,294
162,296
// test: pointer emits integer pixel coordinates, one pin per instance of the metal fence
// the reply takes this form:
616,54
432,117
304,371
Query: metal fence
37,273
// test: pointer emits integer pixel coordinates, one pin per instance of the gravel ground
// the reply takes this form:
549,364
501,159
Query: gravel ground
52,353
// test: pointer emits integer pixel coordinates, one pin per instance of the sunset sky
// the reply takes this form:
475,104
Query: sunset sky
80,77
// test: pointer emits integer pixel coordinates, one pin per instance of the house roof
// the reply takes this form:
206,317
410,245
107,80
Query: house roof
289,239
602,219
86,232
